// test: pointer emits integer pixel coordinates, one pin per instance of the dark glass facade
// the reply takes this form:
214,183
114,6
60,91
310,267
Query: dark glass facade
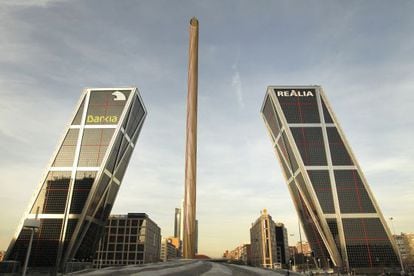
341,220
75,198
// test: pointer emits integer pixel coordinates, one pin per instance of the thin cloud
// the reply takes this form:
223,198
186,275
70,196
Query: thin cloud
237,85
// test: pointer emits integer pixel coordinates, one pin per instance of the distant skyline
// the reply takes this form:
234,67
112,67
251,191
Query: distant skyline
361,53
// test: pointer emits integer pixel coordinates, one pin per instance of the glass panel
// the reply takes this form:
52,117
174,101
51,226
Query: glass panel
353,197
99,193
136,134
52,197
89,243
270,117
301,183
299,105
339,153
367,243
284,166
70,228
309,141
82,186
105,107
135,117
114,153
326,115
120,170
110,200
333,227
122,150
309,227
78,116
44,247
322,186
94,145
99,212
66,154
287,152
124,124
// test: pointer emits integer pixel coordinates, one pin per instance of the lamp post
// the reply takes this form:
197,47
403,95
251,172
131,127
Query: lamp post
398,248
319,263
32,224
307,264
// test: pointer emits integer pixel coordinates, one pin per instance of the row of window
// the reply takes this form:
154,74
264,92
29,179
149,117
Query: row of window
120,256
105,262
124,239
122,247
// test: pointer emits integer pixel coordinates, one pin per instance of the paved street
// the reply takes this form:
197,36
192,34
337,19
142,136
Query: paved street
185,268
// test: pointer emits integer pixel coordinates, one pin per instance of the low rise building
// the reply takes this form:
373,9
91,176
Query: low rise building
405,243
2,253
128,239
304,248
241,253
170,248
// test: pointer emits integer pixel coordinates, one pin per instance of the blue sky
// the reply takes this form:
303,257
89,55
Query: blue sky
361,52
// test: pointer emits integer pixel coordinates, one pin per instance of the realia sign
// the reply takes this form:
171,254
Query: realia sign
295,93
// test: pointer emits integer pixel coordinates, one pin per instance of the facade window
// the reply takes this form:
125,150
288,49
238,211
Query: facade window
339,154
66,153
299,110
322,186
309,141
352,195
271,119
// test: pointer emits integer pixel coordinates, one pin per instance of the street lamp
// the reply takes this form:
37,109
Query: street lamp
32,224
329,265
319,263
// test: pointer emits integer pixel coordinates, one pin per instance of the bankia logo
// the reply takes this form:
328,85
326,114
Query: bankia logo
119,96
295,93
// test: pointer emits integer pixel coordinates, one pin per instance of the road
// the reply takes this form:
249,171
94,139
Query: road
185,268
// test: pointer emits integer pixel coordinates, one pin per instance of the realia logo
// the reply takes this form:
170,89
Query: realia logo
294,93
119,96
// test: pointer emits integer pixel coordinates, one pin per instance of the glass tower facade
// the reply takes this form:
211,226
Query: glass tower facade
80,184
339,214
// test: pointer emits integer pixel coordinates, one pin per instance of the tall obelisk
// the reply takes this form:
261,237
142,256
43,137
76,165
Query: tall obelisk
189,237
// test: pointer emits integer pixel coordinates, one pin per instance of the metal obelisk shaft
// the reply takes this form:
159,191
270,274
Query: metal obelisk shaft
191,146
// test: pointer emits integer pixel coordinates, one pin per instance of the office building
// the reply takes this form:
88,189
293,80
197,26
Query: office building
79,187
128,239
263,240
170,248
282,246
339,214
